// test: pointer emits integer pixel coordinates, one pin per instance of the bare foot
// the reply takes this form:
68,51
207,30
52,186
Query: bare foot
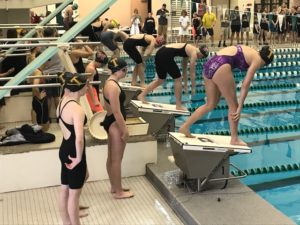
134,84
81,215
142,99
81,207
123,195
124,189
238,142
180,107
143,85
186,132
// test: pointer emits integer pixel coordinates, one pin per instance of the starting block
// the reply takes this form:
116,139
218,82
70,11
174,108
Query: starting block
131,92
161,117
135,126
205,158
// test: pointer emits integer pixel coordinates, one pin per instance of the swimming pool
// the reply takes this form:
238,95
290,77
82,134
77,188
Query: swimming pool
270,123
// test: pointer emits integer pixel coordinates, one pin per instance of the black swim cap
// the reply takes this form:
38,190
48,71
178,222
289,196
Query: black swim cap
73,81
266,53
101,57
204,50
116,64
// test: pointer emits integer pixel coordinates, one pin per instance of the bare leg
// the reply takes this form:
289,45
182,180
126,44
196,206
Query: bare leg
226,84
73,206
134,76
63,204
213,97
141,74
153,85
117,151
178,92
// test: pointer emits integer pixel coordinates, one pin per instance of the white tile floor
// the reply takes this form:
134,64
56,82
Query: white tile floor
39,206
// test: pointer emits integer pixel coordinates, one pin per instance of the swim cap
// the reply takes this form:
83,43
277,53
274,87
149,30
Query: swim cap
73,81
114,23
204,50
266,53
101,57
75,6
116,64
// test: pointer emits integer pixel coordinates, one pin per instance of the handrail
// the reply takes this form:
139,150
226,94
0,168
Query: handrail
42,23
51,51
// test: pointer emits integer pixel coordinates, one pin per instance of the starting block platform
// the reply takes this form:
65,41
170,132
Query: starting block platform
161,117
205,158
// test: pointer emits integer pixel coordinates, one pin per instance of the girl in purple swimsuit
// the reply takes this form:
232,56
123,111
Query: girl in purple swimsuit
219,81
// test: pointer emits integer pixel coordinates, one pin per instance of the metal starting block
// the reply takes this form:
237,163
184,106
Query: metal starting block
161,117
205,158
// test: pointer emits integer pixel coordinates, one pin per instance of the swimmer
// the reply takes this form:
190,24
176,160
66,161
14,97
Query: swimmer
165,64
219,81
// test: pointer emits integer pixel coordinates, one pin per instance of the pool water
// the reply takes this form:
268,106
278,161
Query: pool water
270,124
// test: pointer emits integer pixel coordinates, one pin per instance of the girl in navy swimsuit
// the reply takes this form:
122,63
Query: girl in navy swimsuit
72,150
219,81
114,124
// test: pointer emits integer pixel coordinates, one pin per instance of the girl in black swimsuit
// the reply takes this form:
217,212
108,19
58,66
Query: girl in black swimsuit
72,150
114,124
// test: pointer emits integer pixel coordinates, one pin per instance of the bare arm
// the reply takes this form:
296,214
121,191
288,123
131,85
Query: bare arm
85,52
78,121
192,72
92,71
149,49
113,96
184,73
246,85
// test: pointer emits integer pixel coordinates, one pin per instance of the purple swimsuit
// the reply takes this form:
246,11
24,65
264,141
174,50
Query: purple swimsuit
215,62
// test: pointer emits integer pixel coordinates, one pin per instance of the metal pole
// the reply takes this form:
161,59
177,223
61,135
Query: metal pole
30,27
37,39
42,23
51,51
43,76
21,24
38,85
57,44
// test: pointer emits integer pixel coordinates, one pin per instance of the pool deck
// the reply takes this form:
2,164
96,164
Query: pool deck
237,204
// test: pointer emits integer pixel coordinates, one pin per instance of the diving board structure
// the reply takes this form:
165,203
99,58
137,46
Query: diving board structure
161,117
205,158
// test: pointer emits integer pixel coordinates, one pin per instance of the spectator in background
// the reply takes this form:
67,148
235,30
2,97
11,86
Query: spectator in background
246,25
196,28
149,25
162,21
135,22
201,9
184,22
235,24
52,66
256,30
68,16
209,21
225,23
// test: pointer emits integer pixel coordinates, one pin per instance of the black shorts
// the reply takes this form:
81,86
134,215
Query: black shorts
235,28
165,64
130,48
107,38
52,91
40,107
210,31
